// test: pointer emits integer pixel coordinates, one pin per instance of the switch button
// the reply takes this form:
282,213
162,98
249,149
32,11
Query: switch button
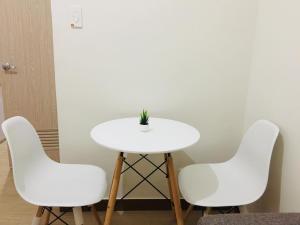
76,16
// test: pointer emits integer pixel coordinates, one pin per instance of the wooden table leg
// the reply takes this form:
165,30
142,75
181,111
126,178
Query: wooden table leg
175,190
114,190
169,185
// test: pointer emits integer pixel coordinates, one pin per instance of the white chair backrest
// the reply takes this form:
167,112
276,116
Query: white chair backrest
25,147
255,151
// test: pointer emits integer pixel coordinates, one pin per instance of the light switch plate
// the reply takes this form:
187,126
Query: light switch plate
76,16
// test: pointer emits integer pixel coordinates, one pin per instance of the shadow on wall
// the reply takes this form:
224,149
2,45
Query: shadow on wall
270,201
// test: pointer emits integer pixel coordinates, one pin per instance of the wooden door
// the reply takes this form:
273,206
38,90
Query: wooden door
26,42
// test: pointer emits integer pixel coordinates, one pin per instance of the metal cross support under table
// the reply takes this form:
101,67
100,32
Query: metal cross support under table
170,175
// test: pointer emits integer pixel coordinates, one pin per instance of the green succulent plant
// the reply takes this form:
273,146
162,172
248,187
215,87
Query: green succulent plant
144,118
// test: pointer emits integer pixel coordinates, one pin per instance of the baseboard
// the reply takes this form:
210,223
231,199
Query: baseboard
137,205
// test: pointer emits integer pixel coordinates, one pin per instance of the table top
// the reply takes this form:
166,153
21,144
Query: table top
164,136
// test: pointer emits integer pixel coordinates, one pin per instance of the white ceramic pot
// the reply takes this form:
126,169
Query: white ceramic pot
144,128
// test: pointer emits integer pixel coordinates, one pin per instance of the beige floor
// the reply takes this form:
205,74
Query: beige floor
15,211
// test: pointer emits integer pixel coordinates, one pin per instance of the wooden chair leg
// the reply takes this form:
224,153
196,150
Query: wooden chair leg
243,209
95,213
78,217
37,219
175,190
114,190
46,222
207,211
188,211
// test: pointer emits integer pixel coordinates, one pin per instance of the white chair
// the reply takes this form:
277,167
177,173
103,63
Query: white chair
241,180
46,183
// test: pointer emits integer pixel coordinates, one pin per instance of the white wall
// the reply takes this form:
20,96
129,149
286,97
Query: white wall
274,94
186,60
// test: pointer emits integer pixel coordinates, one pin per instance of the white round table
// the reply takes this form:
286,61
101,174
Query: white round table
165,136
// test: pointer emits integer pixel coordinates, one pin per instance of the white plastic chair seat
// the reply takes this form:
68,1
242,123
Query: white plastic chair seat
218,185
66,185
44,182
239,181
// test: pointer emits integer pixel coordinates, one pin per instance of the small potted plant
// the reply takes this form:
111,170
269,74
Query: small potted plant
144,121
